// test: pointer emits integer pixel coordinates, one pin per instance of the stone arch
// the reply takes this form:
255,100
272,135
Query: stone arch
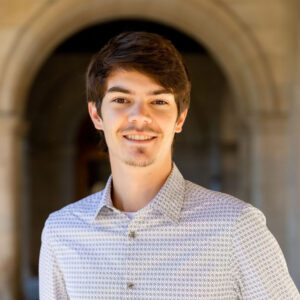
209,22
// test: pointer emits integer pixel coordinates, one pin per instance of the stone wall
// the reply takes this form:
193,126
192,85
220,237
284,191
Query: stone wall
255,42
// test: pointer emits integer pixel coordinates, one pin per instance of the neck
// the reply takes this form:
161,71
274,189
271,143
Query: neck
134,187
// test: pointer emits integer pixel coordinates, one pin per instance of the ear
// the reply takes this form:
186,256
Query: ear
180,121
94,116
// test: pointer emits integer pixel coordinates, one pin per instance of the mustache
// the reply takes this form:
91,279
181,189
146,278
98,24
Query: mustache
144,129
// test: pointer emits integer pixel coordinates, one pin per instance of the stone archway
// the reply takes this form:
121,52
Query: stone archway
208,22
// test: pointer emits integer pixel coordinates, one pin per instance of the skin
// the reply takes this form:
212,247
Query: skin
134,104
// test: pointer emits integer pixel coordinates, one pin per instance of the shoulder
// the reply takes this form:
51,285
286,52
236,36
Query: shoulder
74,214
217,205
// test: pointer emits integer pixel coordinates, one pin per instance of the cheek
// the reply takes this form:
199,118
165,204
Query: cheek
169,123
109,115
166,116
113,122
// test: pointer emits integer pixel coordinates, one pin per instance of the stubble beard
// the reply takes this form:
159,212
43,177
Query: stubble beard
140,163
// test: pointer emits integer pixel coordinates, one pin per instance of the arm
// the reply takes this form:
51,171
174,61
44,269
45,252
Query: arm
258,264
51,281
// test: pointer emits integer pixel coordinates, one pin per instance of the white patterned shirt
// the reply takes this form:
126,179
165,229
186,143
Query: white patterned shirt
188,243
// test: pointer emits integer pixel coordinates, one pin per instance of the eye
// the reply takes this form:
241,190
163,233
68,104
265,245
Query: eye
120,100
160,102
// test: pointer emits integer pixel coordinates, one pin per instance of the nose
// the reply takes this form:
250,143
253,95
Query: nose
139,114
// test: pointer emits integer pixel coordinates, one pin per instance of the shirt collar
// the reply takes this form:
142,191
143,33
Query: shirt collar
169,199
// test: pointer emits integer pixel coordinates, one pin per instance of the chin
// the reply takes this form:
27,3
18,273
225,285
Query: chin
139,163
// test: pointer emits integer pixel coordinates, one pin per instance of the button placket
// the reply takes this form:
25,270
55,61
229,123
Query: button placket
130,285
130,262
132,234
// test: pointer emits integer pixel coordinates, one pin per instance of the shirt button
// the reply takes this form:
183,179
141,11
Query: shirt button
130,285
132,234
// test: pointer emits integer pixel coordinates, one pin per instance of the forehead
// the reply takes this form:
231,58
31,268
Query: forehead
134,81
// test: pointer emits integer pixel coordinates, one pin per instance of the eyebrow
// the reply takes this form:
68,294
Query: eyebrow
126,91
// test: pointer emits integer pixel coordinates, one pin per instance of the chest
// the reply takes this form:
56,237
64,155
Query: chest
151,262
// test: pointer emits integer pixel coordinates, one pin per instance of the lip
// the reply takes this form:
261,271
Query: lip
139,141
146,133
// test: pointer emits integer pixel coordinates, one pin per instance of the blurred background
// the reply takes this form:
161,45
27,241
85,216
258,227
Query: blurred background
242,134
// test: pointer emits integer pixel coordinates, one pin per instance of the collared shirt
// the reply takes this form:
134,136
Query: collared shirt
187,243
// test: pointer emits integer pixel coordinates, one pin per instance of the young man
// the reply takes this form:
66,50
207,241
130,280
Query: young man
151,234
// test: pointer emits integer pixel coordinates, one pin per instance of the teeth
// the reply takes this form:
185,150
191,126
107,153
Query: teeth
139,137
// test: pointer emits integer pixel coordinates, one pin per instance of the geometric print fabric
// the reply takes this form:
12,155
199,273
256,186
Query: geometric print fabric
189,243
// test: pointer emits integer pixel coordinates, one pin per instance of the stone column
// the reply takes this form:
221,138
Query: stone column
10,132
294,213
270,177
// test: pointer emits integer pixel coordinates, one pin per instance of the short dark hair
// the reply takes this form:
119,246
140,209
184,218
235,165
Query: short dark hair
145,52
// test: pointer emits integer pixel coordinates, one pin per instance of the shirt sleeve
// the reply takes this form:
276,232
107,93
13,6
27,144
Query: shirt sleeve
51,281
259,268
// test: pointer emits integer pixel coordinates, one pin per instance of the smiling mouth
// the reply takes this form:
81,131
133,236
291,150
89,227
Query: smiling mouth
139,138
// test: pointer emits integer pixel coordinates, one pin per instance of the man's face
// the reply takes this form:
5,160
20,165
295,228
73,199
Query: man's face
139,119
